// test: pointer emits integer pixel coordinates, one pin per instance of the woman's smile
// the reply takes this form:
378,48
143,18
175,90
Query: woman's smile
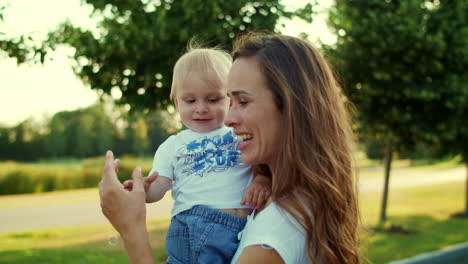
253,113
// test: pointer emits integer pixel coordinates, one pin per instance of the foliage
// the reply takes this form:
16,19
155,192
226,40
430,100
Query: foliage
86,133
21,48
23,142
136,43
405,65
418,152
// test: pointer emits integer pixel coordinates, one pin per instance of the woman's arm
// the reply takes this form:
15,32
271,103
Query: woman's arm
126,211
260,255
138,246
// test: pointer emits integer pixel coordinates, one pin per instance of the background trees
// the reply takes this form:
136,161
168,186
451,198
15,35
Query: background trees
85,133
136,43
405,65
132,51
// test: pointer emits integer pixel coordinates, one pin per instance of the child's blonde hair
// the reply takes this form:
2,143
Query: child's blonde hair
201,60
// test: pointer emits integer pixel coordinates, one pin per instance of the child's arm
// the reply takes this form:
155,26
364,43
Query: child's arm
258,192
158,189
155,187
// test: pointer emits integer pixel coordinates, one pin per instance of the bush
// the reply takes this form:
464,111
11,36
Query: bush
16,182
46,176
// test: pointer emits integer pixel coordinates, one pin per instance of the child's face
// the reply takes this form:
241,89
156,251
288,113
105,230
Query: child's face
202,105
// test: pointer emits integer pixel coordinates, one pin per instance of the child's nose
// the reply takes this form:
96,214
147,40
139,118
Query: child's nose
202,108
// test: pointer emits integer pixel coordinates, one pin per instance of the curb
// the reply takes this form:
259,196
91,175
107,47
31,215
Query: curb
446,255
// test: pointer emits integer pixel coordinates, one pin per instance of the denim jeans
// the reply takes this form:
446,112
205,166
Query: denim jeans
203,235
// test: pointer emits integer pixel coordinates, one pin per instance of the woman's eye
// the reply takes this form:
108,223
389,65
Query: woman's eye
243,102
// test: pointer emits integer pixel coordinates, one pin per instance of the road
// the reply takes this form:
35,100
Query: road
72,208
60,209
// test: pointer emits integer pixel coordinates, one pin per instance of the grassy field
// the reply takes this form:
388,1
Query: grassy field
420,220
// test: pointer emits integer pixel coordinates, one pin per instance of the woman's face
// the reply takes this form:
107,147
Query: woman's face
253,113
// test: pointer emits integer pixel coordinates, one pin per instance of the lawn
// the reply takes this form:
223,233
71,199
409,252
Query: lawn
419,220
90,244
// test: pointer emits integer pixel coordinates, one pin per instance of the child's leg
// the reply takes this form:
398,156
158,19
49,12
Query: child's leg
213,235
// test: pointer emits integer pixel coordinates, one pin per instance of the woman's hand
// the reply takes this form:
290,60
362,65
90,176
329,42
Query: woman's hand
126,210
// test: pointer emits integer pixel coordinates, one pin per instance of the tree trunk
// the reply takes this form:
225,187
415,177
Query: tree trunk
388,164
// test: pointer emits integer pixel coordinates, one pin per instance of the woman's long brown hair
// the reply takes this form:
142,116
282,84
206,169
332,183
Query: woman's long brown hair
312,178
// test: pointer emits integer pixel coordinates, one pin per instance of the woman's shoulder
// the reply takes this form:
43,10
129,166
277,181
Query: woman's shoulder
275,228
274,217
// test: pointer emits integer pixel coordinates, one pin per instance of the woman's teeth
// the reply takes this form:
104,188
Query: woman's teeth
245,137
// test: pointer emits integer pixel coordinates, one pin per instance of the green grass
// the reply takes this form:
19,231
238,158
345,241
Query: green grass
424,213
90,244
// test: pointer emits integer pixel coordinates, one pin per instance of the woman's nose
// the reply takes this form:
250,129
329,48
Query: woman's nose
230,120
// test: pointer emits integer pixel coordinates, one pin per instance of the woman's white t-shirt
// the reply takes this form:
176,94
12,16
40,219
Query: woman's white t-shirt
273,227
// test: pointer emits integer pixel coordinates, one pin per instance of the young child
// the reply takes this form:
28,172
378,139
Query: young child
210,184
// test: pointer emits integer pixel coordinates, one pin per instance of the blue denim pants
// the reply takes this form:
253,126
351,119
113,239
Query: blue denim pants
203,235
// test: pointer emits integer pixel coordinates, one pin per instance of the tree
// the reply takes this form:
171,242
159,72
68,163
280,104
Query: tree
161,124
104,131
136,135
21,48
452,22
5,145
137,43
55,143
84,135
404,64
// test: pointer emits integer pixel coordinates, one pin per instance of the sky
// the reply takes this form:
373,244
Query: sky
39,91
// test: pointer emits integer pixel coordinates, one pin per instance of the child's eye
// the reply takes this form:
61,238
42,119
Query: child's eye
189,101
213,100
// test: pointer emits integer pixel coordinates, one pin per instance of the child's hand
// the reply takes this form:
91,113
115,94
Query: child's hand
147,181
258,192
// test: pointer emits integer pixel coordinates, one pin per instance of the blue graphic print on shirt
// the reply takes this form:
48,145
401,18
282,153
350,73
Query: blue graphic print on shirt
215,154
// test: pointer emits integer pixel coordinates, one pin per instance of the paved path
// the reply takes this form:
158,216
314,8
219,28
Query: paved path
59,209
419,178
70,208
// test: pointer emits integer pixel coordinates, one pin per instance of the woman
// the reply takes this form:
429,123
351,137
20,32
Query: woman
290,114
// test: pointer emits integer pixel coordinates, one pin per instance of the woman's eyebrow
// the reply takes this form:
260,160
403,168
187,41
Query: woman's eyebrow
236,93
